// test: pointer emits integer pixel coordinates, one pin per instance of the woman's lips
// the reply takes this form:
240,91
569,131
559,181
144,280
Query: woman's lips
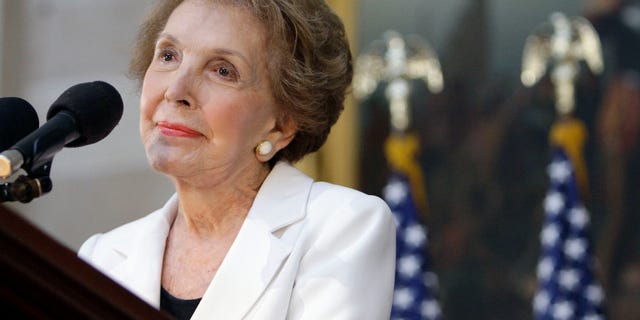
177,130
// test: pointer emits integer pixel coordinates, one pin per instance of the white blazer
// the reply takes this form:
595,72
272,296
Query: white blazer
307,250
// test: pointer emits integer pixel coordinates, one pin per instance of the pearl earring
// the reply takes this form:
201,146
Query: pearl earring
264,148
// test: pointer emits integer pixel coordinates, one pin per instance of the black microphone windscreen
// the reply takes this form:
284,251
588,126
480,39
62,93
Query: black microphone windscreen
17,120
97,107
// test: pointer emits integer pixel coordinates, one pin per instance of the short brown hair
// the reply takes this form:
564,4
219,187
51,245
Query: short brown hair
310,67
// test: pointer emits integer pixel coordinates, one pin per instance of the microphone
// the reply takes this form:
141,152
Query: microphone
17,119
82,115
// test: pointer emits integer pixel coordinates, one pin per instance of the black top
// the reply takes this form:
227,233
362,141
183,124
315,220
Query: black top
181,309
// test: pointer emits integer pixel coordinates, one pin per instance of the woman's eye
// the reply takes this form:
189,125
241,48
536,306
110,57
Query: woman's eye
167,56
226,72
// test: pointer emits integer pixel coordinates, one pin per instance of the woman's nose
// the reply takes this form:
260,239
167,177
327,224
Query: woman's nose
180,88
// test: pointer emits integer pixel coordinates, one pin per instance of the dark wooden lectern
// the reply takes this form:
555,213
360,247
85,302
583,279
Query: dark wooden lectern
42,279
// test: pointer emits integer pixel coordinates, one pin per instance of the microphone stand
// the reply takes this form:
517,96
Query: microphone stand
27,187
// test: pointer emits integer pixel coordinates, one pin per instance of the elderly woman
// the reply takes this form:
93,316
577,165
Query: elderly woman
233,91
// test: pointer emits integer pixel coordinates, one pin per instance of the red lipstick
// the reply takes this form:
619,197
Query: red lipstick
177,130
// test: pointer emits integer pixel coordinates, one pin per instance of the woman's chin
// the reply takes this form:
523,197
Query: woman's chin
166,158
167,165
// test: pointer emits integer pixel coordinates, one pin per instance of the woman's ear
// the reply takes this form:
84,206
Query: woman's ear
286,128
279,137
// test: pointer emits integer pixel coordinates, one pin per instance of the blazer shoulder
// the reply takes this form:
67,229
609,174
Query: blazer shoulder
327,191
348,239
326,199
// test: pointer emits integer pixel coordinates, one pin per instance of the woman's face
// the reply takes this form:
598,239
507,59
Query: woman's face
206,101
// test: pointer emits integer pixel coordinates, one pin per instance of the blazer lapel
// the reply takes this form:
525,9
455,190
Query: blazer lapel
141,269
257,254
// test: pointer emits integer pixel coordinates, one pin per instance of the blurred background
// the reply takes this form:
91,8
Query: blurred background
483,140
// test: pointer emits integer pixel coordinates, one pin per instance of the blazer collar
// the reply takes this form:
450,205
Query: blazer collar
141,269
253,259
282,198
257,254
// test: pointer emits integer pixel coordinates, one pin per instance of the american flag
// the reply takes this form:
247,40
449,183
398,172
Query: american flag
567,287
415,285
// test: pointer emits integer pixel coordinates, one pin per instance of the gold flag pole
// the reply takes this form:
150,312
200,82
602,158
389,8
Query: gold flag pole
397,60
563,43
